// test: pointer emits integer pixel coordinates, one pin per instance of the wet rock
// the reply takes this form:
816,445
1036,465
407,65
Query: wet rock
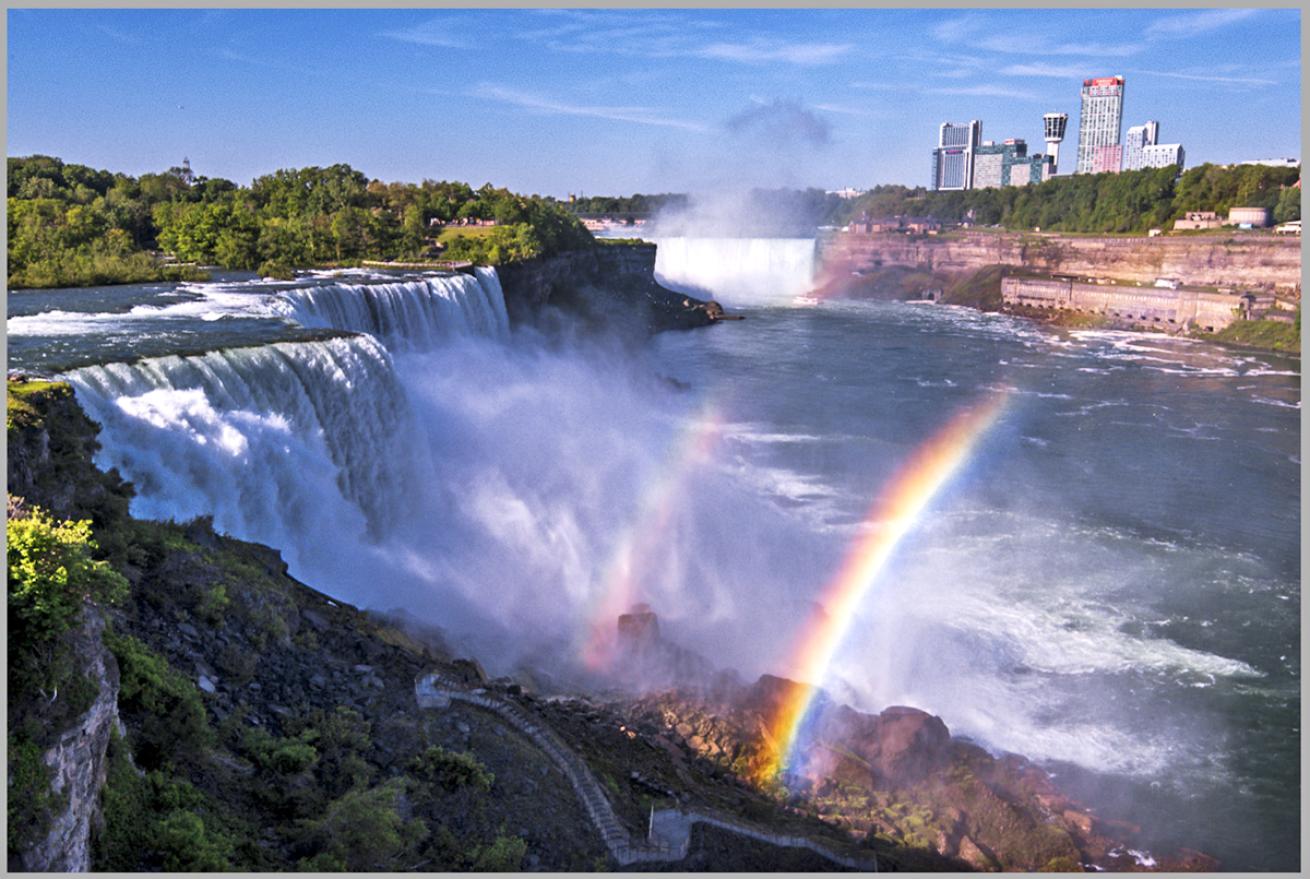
1078,821
911,744
315,619
975,857
206,684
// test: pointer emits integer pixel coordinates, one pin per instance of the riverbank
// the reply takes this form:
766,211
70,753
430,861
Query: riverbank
983,289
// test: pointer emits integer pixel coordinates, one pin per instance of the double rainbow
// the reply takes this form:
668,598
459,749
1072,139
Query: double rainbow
637,545
892,516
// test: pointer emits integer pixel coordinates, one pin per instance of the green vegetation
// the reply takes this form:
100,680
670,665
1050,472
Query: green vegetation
25,397
163,706
74,225
620,206
51,578
30,798
1129,202
504,855
1275,335
450,771
363,830
159,822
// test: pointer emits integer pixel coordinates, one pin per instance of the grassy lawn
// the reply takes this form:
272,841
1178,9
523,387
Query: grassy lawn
1270,334
449,232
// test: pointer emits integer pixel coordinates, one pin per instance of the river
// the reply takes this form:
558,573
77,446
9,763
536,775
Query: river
1109,585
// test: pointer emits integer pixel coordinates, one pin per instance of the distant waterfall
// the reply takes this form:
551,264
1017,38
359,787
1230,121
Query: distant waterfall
274,441
407,315
737,271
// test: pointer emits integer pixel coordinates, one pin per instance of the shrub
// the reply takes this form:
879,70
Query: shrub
155,821
451,771
273,268
285,756
363,830
170,716
505,855
52,574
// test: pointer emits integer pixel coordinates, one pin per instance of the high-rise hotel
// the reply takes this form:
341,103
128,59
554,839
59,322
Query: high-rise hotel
952,161
1099,120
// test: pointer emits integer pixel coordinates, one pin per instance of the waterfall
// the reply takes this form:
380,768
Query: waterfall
414,314
737,271
276,441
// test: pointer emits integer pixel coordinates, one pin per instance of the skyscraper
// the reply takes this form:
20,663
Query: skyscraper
1100,118
1137,139
952,161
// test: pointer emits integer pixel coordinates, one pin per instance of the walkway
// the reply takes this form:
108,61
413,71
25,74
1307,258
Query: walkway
669,837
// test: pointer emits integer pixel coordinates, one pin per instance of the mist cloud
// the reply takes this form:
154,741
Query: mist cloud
781,122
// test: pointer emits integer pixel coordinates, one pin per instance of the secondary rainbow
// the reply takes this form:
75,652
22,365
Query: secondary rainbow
636,547
891,517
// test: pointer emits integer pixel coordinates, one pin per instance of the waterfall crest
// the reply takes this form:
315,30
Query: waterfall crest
270,440
737,271
415,314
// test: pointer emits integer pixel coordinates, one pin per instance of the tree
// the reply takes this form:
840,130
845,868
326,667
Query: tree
1289,205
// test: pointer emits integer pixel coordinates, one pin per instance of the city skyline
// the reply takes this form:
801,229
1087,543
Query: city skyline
621,101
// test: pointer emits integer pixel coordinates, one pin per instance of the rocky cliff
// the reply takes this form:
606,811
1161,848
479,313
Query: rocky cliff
77,761
1240,261
609,284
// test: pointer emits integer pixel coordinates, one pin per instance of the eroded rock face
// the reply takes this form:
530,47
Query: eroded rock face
900,777
77,762
908,745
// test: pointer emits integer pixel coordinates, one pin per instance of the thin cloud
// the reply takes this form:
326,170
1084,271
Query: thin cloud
761,50
985,91
437,32
556,107
1191,24
652,35
1209,77
843,109
1037,44
1048,70
970,29
119,36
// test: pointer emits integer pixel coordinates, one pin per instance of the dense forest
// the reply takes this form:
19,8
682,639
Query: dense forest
1132,201
71,225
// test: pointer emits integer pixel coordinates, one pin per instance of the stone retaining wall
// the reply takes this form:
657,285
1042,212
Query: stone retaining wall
1180,309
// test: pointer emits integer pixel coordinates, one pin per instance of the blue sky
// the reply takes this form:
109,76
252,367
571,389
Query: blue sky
559,101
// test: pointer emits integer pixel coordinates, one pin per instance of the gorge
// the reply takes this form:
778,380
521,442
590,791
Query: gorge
437,448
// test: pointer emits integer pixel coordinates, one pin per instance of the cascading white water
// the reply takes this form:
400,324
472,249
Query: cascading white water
407,315
275,442
737,271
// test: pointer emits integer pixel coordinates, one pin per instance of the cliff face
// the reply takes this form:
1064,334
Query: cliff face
1239,261
609,285
78,761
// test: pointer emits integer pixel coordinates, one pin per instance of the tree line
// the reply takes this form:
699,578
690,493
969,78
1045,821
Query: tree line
1128,202
71,225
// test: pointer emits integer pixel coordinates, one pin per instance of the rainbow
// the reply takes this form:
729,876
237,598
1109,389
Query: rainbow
891,517
648,530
